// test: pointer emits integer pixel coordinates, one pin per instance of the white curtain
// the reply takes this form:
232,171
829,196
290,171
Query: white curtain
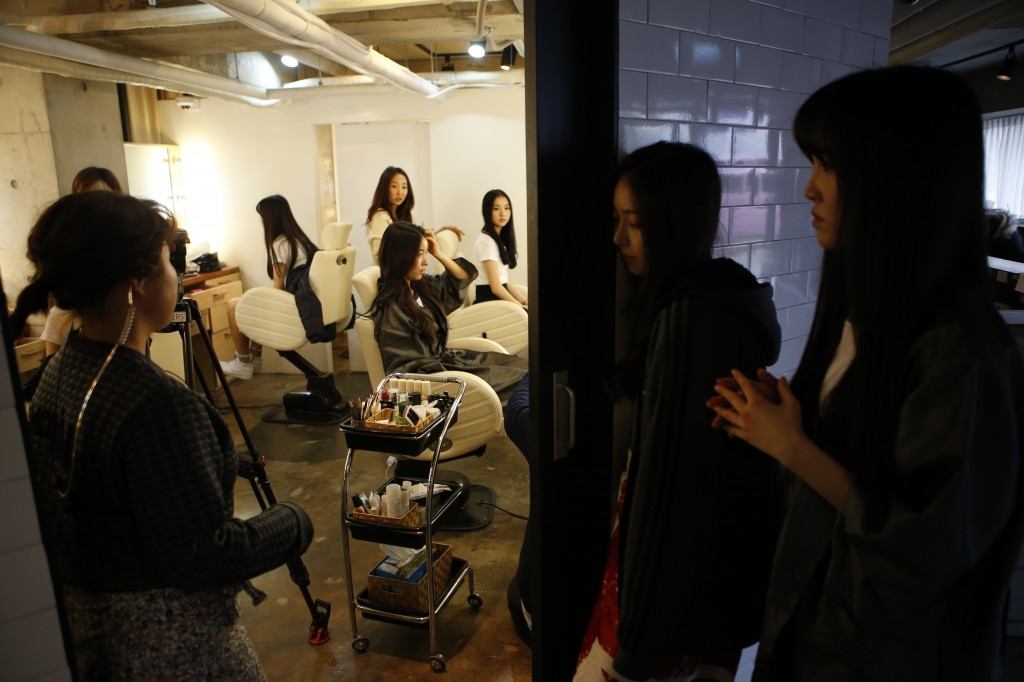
1004,163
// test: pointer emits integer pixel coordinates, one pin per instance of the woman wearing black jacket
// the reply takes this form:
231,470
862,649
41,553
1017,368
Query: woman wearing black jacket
690,554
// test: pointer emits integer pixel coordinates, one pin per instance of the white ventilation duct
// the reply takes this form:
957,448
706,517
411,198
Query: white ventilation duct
286,21
152,74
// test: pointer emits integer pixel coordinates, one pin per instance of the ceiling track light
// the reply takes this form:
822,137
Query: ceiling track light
289,61
477,49
447,66
1006,72
508,57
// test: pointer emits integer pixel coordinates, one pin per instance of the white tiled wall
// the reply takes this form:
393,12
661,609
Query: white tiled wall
728,75
31,647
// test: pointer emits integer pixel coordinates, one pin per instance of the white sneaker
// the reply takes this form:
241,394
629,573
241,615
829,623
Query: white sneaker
236,368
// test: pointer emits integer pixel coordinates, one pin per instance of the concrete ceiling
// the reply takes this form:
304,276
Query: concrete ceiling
404,35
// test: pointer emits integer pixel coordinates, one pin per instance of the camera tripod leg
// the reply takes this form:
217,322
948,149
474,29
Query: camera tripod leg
255,471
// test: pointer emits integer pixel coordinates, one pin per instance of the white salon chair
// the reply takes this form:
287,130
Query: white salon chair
480,416
270,317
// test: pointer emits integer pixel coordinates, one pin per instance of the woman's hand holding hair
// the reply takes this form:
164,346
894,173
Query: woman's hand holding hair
434,250
775,428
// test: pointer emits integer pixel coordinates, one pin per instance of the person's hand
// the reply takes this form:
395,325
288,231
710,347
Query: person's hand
766,385
458,233
751,414
431,241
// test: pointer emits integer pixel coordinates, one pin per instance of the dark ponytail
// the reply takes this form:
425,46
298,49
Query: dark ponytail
33,298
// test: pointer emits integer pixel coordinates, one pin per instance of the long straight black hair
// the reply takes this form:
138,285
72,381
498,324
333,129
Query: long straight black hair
382,197
278,221
906,147
506,240
677,192
399,249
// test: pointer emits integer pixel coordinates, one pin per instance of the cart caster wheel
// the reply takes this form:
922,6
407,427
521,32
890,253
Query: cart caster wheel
475,600
437,663
360,645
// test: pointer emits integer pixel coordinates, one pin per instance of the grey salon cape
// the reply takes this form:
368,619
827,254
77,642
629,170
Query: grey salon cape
403,350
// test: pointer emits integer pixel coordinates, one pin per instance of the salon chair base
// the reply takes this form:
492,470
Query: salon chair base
320,404
474,510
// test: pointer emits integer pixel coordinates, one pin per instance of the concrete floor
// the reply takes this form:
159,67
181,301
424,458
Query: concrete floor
305,464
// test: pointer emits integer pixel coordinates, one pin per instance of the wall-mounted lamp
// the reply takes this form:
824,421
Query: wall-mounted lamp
477,49
1006,72
289,61
508,57
447,66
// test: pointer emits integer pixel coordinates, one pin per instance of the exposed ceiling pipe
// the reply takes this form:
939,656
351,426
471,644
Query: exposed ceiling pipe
292,24
158,17
153,74
939,25
481,9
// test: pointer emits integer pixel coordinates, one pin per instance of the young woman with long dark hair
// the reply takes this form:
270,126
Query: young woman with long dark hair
289,252
393,200
690,552
902,426
411,308
496,251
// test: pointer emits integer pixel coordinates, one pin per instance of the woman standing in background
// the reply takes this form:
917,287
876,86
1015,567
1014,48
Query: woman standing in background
392,200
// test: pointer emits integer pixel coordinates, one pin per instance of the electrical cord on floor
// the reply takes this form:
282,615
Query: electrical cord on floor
504,511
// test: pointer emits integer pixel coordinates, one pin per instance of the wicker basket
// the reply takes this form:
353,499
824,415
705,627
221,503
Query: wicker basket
410,520
387,415
412,596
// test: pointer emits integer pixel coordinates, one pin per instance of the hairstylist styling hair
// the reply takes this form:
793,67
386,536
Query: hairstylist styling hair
133,472
393,200
902,428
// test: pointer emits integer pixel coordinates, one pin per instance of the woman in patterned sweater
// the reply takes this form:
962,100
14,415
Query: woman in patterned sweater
133,472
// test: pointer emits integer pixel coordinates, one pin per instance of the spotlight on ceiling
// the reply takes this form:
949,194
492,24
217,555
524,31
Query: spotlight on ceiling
289,61
1006,73
477,49
508,57
448,66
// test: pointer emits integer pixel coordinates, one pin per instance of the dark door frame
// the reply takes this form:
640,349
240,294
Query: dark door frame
571,124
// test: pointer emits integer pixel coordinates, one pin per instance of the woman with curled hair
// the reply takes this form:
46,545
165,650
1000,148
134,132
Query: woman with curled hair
133,472
411,308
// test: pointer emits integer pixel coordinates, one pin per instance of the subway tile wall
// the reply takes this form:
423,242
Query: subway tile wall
31,644
728,76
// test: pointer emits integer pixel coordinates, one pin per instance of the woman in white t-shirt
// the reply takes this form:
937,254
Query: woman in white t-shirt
496,251
392,200
289,251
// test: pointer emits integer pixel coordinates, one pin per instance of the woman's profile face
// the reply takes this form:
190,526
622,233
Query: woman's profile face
419,266
628,236
501,212
160,292
823,191
398,189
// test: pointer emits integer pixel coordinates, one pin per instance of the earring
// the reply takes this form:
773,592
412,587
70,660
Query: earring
128,320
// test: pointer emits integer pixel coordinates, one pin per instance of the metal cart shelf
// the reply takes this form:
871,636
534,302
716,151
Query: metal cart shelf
437,507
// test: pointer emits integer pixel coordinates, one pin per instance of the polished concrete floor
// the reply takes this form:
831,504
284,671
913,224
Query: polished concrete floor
305,464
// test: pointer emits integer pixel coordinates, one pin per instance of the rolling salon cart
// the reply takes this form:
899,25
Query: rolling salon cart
432,592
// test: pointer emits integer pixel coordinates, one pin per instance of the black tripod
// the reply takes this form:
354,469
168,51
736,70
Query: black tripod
186,312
